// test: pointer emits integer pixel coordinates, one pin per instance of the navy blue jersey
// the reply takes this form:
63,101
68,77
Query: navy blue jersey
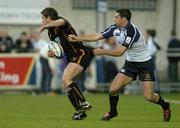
130,37
125,36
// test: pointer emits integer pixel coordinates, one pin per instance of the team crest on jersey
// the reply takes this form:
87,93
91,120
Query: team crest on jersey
128,40
116,34
120,35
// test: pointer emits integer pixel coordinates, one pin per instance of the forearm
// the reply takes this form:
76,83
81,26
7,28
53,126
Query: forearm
90,37
55,23
112,53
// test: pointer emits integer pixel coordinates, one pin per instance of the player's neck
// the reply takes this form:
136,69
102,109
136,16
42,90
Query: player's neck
125,24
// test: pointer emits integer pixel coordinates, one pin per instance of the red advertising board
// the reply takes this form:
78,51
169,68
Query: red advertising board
15,70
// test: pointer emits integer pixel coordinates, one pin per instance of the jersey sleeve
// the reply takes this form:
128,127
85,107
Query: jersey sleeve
131,37
108,32
66,25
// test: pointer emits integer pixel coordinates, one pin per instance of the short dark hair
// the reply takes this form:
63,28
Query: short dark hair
51,12
124,13
151,32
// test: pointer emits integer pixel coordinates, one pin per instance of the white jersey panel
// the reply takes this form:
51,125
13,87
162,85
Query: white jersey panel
138,52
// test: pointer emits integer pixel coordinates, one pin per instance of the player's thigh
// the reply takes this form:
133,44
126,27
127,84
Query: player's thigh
119,82
71,71
148,88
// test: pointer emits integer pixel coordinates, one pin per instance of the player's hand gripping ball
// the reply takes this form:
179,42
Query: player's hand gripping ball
56,49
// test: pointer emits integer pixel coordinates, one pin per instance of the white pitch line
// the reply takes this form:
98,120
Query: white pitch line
173,101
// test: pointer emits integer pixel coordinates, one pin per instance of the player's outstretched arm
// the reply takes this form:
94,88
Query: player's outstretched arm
118,51
55,23
88,37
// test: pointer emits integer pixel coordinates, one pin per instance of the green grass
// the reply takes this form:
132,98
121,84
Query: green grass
25,111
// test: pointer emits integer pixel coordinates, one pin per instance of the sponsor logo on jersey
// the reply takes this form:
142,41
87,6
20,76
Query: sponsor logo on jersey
147,76
128,40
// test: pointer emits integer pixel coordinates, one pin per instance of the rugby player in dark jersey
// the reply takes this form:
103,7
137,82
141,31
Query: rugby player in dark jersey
138,61
78,57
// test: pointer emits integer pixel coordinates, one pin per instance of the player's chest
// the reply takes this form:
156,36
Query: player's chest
120,35
57,36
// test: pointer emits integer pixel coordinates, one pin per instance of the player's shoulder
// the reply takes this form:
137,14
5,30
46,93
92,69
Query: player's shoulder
113,26
132,29
61,18
64,19
64,27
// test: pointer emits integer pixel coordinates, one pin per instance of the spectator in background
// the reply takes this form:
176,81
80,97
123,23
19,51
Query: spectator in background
173,48
41,47
23,44
152,42
6,42
100,67
153,47
154,38
110,64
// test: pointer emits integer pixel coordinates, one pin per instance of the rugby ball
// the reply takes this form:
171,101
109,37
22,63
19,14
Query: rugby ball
56,48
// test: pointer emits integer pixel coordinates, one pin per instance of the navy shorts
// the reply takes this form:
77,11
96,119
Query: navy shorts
144,70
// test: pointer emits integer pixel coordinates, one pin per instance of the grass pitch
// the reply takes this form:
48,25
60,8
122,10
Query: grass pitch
26,111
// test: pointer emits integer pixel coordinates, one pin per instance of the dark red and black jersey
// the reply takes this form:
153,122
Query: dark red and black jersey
75,52
60,34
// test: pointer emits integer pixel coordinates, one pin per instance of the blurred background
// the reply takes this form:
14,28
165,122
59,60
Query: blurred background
24,65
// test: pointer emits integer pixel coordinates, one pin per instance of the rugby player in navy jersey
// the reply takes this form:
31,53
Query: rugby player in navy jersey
78,57
138,61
